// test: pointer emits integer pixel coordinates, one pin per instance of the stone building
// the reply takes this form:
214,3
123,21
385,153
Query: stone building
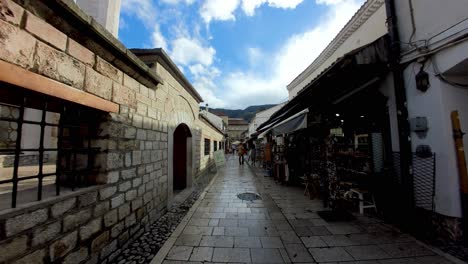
236,126
118,136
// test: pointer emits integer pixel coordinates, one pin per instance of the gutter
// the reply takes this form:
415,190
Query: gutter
404,133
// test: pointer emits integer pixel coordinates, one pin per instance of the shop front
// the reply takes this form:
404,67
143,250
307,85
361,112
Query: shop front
342,150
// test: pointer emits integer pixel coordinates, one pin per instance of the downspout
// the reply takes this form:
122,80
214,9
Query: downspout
404,133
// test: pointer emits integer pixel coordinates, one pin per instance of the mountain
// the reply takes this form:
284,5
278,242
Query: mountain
247,114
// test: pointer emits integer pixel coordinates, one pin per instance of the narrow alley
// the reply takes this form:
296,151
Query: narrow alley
281,226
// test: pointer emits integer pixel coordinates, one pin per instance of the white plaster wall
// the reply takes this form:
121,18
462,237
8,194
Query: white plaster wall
436,104
262,117
432,17
106,12
368,32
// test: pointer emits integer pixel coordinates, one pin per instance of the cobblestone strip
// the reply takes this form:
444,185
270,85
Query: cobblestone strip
152,245
164,250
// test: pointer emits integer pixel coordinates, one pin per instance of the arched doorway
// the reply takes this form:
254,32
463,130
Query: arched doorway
181,156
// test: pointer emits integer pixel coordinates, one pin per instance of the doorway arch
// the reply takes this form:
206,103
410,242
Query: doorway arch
181,156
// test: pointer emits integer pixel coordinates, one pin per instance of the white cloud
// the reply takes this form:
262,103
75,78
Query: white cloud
188,51
218,10
254,55
157,39
146,12
249,6
175,2
143,9
247,87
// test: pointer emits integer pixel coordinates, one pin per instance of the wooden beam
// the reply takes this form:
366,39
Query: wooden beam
18,76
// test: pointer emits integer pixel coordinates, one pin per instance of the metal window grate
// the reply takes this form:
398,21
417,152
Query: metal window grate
424,170
207,147
73,131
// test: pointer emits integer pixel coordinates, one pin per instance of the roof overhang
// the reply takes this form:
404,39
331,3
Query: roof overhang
355,71
150,56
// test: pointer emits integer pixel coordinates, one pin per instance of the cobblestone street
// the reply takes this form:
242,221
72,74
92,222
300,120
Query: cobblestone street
282,227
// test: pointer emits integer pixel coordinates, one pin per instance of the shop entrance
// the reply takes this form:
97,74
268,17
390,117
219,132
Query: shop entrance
181,156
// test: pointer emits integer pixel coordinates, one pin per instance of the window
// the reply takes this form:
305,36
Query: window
215,145
207,146
221,145
45,146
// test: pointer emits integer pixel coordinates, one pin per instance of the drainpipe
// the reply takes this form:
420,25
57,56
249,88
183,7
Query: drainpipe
404,133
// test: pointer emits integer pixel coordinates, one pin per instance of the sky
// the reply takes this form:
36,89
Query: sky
236,53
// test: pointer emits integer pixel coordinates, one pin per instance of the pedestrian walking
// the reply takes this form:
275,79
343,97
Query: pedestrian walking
241,152
253,154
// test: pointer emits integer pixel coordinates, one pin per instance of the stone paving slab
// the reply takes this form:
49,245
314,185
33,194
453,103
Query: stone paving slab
283,227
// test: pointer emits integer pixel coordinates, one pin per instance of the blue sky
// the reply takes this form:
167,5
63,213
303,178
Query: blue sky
236,53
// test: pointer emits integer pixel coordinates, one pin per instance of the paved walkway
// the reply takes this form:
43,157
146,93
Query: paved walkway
283,227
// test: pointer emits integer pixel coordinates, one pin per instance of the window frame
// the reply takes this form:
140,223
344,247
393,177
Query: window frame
207,147
72,151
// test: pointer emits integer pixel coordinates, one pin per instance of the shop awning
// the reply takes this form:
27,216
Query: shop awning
291,125
355,71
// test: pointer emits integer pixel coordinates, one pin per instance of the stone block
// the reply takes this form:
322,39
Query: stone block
98,84
90,229
46,233
107,250
142,109
18,12
111,218
147,197
117,201
108,70
137,121
125,186
99,242
80,53
123,238
130,195
136,158
115,160
16,46
64,245
130,220
77,257
24,222
108,177
37,257
143,99
13,248
131,83
128,159
73,221
128,144
117,229
130,132
87,199
147,123
45,31
137,204
107,192
141,134
124,211
101,208
136,182
60,208
59,66
140,213
128,174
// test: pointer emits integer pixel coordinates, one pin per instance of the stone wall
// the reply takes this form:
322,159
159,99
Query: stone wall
208,132
91,225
